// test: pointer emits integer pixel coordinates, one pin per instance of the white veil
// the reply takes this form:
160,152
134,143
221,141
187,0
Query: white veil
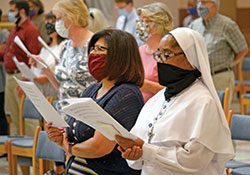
193,45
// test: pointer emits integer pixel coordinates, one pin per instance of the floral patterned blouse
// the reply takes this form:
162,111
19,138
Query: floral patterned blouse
72,71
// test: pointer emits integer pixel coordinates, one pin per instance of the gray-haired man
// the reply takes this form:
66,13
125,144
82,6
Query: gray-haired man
226,44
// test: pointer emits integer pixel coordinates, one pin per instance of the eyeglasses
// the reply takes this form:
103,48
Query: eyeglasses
158,56
98,49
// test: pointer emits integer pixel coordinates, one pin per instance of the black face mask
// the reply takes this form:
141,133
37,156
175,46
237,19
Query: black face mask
175,79
50,28
18,17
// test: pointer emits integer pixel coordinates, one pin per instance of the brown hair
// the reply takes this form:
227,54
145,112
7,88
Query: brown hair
123,62
126,1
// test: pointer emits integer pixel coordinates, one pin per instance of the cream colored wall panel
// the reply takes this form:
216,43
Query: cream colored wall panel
48,4
243,3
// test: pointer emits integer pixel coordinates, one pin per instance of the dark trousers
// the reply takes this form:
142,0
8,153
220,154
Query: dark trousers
3,120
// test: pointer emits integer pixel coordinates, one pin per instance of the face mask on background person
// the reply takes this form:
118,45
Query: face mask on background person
202,10
96,65
12,16
192,11
61,30
32,13
50,28
123,12
142,31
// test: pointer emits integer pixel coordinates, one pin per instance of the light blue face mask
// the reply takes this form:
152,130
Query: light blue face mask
202,10
123,12
61,30
12,16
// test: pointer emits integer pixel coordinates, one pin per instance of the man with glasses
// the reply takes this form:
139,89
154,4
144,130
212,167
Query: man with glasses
225,43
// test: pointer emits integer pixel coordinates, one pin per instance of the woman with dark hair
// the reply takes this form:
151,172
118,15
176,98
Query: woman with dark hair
37,17
114,61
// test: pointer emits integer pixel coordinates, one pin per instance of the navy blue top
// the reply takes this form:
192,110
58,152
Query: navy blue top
123,102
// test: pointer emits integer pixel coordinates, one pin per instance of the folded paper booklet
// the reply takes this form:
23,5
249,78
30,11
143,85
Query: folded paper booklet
42,105
47,47
18,41
24,69
89,112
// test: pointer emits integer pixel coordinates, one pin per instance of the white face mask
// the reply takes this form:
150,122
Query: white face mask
61,30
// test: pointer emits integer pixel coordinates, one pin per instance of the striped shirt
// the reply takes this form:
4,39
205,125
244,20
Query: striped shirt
223,39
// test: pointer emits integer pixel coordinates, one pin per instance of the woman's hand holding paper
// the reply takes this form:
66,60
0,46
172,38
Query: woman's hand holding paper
54,134
34,63
130,149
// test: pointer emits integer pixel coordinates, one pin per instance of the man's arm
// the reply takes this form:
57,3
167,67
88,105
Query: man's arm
240,56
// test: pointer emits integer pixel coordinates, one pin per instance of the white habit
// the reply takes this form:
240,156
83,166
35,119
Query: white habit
192,136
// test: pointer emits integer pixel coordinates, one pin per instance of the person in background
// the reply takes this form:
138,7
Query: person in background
106,8
155,22
182,130
128,17
36,15
97,19
56,44
3,121
117,93
192,13
71,75
28,33
226,44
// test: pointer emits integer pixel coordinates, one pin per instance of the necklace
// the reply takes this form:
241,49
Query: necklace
163,110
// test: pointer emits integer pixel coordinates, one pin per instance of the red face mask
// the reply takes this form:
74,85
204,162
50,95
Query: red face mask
96,65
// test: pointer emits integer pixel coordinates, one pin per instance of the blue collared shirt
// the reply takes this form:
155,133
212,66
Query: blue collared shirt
130,26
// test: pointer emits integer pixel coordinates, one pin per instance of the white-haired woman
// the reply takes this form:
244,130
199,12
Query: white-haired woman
155,21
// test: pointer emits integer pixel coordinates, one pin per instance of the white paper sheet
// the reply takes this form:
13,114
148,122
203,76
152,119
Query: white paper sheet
24,69
89,112
47,47
17,40
43,106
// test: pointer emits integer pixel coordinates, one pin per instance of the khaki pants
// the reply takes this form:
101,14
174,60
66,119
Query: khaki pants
12,104
224,80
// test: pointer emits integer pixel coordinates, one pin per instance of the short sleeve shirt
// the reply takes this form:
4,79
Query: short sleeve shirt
223,40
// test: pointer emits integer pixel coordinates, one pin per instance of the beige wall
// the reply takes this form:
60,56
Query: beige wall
243,3
240,3
48,4
174,5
